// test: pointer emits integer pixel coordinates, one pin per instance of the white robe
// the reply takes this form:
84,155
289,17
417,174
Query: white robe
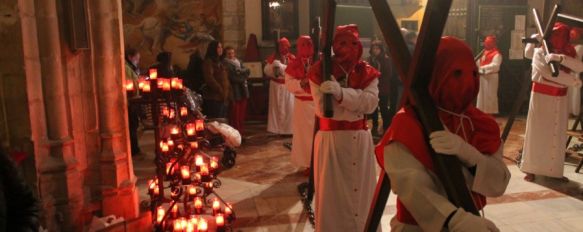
574,93
422,193
546,124
303,124
344,163
488,94
281,103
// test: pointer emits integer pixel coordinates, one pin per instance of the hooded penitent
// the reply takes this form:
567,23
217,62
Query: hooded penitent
299,66
346,61
284,46
453,88
490,50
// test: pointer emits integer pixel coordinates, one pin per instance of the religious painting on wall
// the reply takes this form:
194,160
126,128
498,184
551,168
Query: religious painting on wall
178,26
280,16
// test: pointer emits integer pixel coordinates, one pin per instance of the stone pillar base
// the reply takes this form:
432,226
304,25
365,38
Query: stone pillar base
122,201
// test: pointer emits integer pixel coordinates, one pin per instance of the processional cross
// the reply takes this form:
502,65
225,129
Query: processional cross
416,76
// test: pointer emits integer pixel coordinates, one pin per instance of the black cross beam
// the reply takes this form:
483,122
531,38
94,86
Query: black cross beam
327,36
416,75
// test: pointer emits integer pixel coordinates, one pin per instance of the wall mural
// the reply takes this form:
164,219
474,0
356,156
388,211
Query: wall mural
177,26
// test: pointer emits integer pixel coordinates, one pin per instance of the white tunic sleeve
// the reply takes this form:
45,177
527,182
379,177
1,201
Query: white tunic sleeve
529,51
494,66
269,69
492,175
541,67
362,101
293,85
573,64
418,189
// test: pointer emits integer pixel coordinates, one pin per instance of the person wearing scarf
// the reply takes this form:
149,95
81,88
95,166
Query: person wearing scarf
380,61
344,166
489,66
544,143
281,101
303,117
238,75
469,134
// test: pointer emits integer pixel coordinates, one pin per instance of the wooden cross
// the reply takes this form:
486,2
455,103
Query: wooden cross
416,75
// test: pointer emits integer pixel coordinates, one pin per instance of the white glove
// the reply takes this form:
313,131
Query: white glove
537,36
553,57
332,87
463,221
481,71
277,64
447,143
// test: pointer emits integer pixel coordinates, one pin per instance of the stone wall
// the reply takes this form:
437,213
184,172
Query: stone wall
67,110
234,25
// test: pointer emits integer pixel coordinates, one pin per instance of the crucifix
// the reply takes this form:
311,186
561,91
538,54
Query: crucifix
416,75
523,92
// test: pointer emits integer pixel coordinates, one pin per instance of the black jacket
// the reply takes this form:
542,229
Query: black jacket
18,206
238,78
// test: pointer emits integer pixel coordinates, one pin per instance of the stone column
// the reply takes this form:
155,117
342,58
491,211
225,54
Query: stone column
60,185
117,176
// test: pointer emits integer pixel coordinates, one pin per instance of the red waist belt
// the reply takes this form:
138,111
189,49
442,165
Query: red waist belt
548,90
278,80
305,98
327,124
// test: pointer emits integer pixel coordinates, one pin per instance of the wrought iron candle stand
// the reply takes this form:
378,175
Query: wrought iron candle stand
182,196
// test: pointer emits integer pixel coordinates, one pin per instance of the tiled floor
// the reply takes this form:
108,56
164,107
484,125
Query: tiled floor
263,189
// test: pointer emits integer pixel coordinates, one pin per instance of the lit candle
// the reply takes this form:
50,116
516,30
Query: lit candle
151,185
185,172
156,191
198,161
202,225
204,169
198,205
214,164
129,85
183,223
191,191
161,82
166,85
190,227
169,168
159,214
194,145
197,177
193,220
183,111
228,210
176,83
174,210
165,111
141,84
170,142
175,130
216,206
164,147
153,73
171,114
220,220
199,125
190,129
146,88
177,225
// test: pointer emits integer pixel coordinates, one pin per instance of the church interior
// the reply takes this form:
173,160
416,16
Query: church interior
110,124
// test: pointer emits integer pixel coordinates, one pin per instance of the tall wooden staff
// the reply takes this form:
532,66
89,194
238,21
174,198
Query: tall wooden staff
327,36
417,79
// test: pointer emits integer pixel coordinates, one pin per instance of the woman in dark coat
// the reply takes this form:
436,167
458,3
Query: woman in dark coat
239,92
217,90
